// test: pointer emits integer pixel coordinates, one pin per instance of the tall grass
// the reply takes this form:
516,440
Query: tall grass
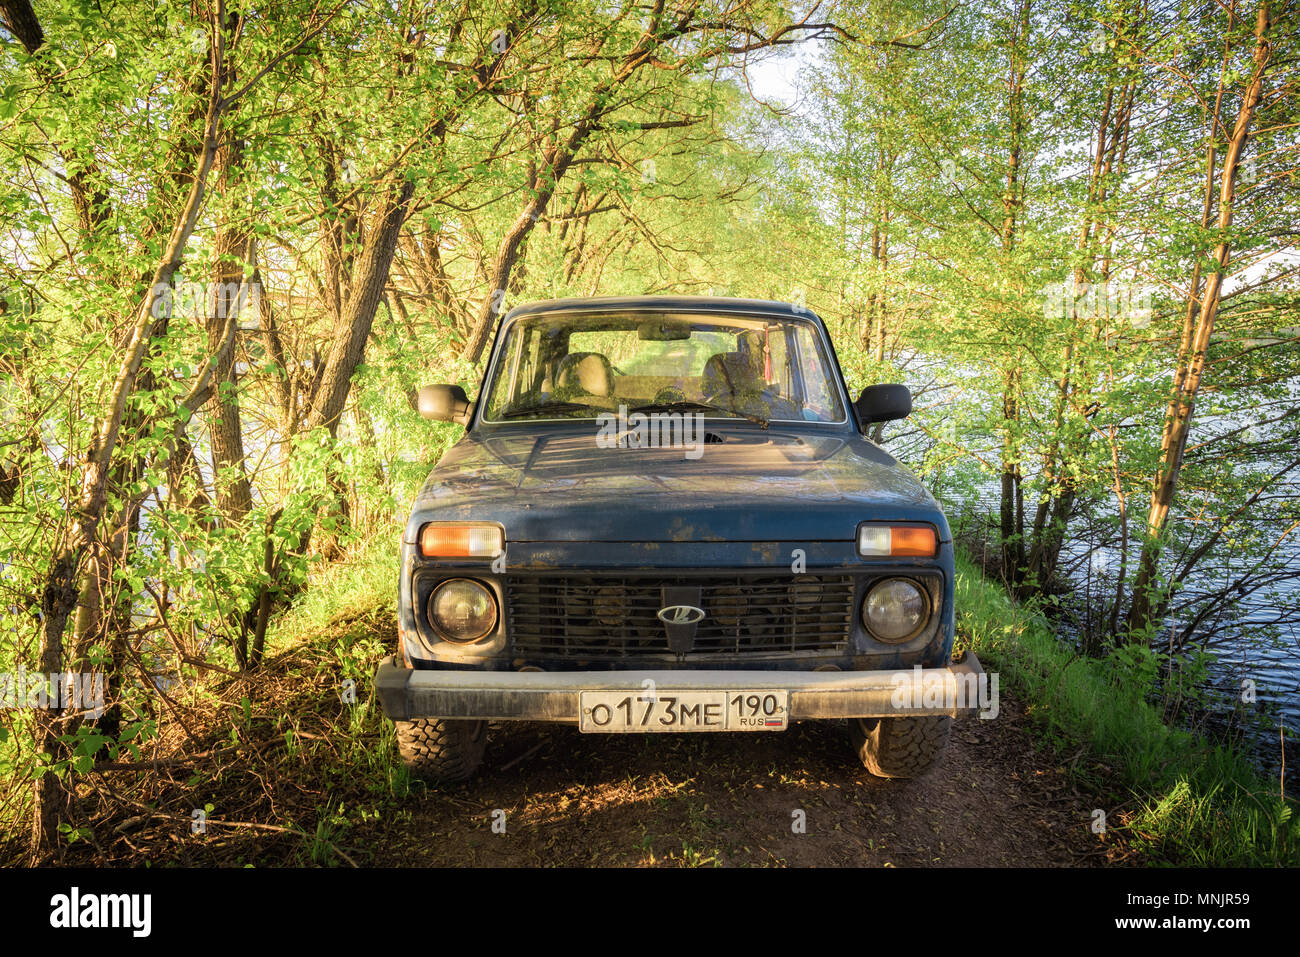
362,581
1194,801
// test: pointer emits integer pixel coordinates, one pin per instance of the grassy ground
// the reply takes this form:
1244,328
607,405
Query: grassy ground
1190,801
289,766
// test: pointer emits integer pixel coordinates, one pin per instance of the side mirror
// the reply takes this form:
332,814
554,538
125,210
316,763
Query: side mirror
444,403
882,403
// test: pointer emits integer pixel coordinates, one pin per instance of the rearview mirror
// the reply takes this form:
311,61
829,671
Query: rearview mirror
883,403
444,403
668,331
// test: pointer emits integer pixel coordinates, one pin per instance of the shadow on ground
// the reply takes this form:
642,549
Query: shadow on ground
574,799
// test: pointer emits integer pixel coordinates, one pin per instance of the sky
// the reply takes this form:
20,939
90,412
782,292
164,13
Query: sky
775,78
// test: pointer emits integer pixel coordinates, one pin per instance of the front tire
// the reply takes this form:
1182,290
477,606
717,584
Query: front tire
900,747
441,750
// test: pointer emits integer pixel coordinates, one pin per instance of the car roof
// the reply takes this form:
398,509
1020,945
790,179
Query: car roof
697,304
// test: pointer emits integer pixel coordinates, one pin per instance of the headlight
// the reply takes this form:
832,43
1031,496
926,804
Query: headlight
462,610
895,610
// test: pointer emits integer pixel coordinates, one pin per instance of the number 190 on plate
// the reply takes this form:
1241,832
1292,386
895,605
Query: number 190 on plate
613,712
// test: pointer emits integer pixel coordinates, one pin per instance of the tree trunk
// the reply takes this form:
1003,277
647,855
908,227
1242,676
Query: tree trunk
233,249
368,281
59,593
1191,364
1011,503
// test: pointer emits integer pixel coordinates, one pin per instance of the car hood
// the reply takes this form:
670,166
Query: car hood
745,485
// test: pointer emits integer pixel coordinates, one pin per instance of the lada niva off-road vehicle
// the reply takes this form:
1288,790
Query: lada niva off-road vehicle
665,516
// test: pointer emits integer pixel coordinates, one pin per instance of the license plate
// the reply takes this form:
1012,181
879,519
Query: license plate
613,712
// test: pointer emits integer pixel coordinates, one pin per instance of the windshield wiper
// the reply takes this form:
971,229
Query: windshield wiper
548,407
688,405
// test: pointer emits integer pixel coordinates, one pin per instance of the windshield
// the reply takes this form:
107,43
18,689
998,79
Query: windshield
579,365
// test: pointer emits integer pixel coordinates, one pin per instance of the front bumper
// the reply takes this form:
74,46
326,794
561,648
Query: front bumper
406,693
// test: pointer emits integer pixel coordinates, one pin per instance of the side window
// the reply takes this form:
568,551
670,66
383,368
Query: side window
503,385
526,375
518,370
782,374
820,399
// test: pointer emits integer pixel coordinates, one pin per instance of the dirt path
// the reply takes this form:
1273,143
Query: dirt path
276,782
573,799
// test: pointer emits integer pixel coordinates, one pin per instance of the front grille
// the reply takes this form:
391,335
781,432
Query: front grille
611,616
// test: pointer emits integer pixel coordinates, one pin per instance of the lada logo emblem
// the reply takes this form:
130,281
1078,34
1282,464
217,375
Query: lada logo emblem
681,615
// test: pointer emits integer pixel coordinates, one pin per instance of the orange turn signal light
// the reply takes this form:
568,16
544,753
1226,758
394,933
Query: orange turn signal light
908,541
461,541
919,541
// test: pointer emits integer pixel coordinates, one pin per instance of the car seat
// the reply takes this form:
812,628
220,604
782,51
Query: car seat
583,373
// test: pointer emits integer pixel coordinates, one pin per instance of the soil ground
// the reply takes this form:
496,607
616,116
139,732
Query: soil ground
575,799
285,775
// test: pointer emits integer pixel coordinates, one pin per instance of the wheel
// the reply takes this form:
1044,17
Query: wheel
900,747
441,750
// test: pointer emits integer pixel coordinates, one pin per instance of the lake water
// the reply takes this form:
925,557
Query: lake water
1241,647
